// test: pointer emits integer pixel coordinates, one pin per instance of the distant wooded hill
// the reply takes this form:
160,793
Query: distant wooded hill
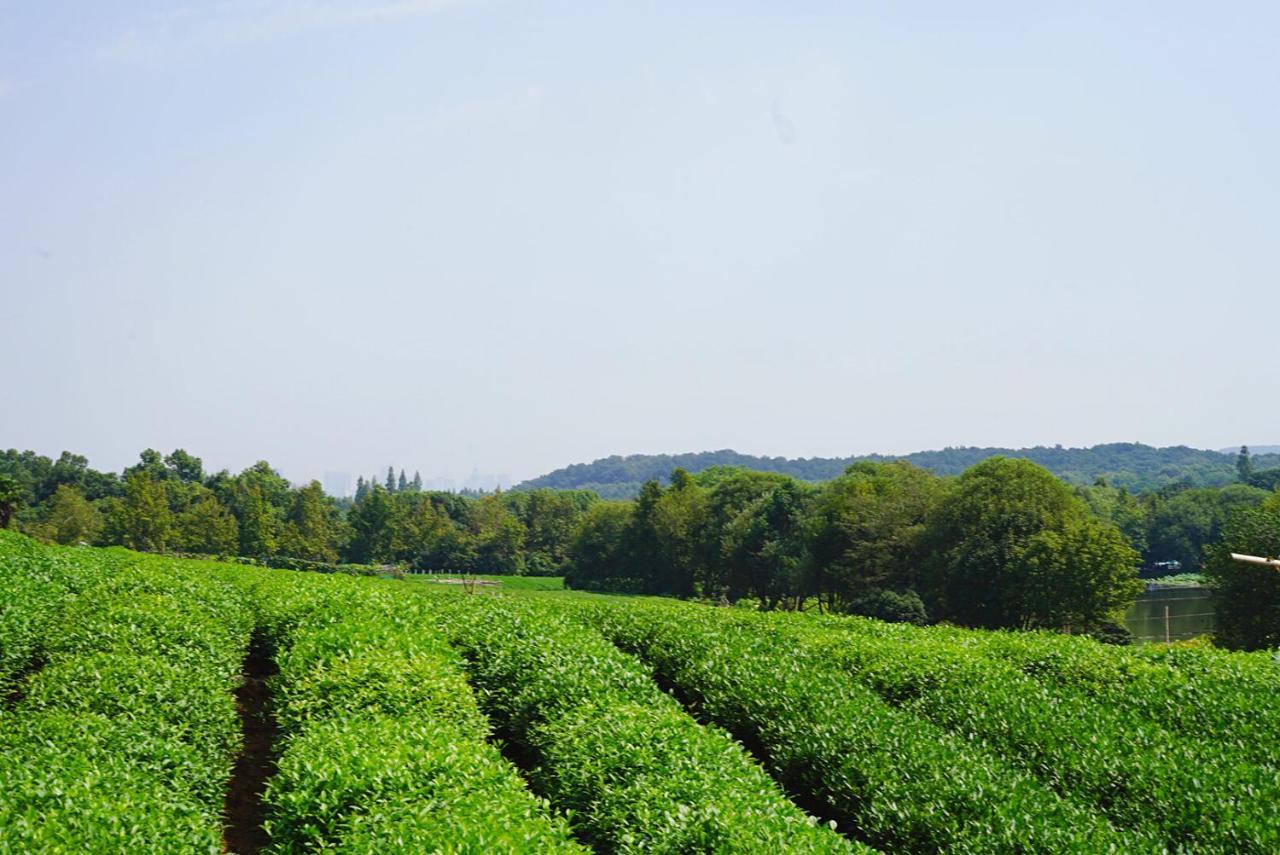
1135,466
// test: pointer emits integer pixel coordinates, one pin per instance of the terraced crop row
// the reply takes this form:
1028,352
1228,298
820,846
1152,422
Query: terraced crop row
123,740
384,748
1182,790
1200,692
899,782
603,741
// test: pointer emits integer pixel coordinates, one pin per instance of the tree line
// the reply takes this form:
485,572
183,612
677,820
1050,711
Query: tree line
1134,466
168,503
1004,544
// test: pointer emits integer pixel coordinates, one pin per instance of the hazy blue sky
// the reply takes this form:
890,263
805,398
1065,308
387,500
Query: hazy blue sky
513,236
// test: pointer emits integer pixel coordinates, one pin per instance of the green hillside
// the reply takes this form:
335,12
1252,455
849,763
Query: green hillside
1134,466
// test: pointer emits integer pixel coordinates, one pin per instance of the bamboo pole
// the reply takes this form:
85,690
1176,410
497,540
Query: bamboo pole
1254,559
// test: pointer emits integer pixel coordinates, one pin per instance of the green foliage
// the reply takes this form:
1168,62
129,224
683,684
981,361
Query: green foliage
602,740
1133,466
360,670
207,527
1177,789
127,733
1182,525
145,520
866,533
1247,596
68,518
1011,546
10,499
897,782
1079,574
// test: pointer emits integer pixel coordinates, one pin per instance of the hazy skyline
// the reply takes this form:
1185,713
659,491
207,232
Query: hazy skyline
481,235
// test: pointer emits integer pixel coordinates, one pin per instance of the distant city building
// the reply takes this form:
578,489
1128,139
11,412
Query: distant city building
337,483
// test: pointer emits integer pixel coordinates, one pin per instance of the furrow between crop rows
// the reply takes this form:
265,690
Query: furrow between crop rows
601,740
383,747
124,740
245,811
1133,771
902,783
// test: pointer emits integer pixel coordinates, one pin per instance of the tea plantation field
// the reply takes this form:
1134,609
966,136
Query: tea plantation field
150,704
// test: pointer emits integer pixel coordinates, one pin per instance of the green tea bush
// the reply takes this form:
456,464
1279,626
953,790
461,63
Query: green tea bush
602,740
123,741
384,747
894,780
1127,767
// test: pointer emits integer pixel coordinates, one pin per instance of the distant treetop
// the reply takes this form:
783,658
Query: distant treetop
1133,466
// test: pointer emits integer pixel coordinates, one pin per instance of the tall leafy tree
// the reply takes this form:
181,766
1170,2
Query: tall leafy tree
391,479
373,523
259,520
499,538
1078,574
866,531
402,483
769,547
596,557
1247,595
69,518
10,499
678,519
208,527
980,534
417,482
311,527
185,467
147,521
1244,465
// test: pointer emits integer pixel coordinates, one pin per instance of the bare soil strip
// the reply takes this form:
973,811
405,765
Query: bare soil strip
244,810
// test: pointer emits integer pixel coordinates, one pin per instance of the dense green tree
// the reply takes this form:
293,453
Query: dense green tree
1078,574
207,527
10,499
730,492
373,524
1244,465
390,483
498,537
69,518
1247,595
549,518
311,527
1181,526
416,485
402,483
259,520
1119,507
184,467
768,547
146,521
642,547
866,531
362,489
980,532
596,556
677,520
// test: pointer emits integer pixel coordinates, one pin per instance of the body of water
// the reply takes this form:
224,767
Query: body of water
1190,614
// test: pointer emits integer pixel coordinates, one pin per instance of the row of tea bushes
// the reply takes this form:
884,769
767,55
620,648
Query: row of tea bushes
1134,771
895,780
123,741
384,747
1198,691
602,740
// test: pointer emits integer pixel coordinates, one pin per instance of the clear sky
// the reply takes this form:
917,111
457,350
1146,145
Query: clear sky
515,235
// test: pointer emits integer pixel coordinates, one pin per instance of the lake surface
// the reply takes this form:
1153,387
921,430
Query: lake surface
1190,614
